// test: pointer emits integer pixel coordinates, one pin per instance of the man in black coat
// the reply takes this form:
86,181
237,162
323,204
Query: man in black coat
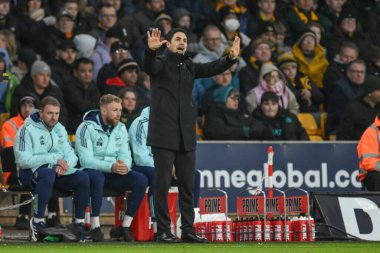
171,132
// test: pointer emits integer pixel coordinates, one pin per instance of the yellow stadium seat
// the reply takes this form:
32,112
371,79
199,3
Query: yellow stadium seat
308,122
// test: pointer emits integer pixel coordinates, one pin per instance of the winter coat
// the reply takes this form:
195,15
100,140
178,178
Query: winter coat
355,119
36,145
173,114
285,126
138,133
315,68
226,124
79,101
98,146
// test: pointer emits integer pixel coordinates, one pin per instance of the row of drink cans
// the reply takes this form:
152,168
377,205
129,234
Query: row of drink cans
300,229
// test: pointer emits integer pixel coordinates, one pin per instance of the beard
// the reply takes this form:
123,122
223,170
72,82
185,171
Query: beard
111,121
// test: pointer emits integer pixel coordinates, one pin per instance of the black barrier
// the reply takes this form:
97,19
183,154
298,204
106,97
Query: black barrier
347,216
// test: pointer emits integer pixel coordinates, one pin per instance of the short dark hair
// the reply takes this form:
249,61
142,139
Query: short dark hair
82,60
348,44
49,100
357,61
173,31
269,96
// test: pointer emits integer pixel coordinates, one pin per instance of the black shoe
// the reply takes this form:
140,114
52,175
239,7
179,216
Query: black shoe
121,232
37,231
53,222
22,223
167,238
190,237
78,230
96,235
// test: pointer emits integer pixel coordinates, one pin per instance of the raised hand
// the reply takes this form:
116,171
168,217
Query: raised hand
154,39
235,49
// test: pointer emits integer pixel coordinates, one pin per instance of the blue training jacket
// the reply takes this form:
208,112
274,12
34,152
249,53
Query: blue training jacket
98,148
138,132
35,145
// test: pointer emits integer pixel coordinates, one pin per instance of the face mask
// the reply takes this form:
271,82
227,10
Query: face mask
232,25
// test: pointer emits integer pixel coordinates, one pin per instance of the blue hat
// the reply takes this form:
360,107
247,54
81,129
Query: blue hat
220,94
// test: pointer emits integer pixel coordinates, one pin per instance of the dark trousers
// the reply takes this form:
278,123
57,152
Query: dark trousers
372,181
184,163
132,181
44,179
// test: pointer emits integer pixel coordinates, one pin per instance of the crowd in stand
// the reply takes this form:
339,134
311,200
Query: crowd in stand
297,56
314,55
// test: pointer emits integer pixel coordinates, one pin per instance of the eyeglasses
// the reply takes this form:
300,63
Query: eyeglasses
213,39
129,98
354,71
235,98
121,51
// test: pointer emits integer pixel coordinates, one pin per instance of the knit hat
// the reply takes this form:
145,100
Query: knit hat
163,16
85,45
117,31
305,34
346,13
286,59
28,56
258,42
371,84
127,64
38,67
265,27
64,13
66,44
28,100
220,94
118,45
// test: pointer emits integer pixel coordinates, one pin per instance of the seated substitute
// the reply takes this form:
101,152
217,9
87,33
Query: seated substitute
46,160
102,145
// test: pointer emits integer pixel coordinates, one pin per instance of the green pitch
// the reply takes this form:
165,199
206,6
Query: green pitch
319,247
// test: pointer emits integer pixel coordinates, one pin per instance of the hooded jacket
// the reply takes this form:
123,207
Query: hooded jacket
138,133
36,145
253,101
100,146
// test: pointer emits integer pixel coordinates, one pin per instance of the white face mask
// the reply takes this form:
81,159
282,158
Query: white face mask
232,25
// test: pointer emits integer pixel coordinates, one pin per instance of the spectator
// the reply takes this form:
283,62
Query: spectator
332,9
80,93
309,97
129,101
46,160
373,61
165,21
85,45
230,28
347,89
271,122
129,72
7,21
311,57
108,80
145,18
210,45
81,23
265,12
26,57
347,30
359,113
8,83
103,149
282,45
63,30
336,70
182,18
38,84
62,65
272,79
107,18
8,42
224,120
249,75
302,14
